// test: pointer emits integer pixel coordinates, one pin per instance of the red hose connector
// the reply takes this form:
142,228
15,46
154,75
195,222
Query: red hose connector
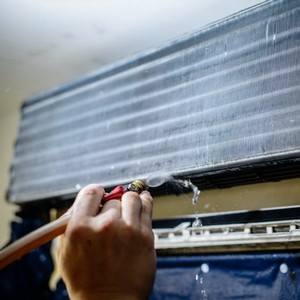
116,193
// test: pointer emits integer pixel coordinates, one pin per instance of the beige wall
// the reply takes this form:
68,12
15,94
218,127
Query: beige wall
9,119
248,197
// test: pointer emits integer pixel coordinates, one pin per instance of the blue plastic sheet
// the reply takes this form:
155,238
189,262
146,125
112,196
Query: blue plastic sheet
273,275
228,276
27,278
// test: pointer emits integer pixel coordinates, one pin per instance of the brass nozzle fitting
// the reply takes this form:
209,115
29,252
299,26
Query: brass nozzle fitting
138,186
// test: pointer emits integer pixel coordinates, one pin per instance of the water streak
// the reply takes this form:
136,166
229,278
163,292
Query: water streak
188,184
157,179
197,222
200,282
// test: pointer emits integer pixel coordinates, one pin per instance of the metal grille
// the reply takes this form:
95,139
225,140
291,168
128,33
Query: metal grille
233,237
223,99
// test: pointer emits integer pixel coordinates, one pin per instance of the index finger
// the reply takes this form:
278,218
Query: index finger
88,201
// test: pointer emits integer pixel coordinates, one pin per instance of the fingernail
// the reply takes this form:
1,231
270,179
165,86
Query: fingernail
145,192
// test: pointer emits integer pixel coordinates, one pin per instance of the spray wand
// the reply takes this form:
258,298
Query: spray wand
55,228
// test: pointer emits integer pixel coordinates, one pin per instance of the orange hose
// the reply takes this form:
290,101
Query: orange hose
33,240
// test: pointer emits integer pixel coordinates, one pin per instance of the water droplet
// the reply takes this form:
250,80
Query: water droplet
283,268
204,295
199,279
197,222
205,268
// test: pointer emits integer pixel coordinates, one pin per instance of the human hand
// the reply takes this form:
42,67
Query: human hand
108,254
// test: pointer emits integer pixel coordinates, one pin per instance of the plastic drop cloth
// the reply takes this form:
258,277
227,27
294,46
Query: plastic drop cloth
228,276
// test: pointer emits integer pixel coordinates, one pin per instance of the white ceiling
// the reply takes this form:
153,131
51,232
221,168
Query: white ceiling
48,42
